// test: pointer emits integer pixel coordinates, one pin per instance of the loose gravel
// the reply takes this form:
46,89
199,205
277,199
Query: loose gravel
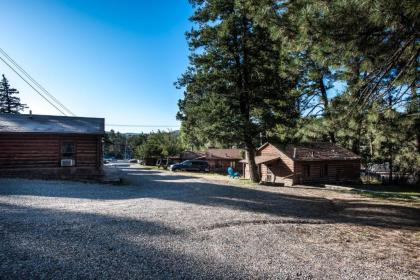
172,226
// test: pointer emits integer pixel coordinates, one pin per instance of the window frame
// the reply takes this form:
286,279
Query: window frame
323,171
306,170
67,154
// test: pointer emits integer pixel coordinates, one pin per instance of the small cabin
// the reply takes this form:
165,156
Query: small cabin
305,164
220,159
43,146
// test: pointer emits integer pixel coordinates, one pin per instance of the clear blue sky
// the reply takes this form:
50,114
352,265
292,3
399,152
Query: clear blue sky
111,59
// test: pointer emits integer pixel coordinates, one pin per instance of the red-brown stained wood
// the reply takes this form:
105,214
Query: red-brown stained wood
280,167
44,151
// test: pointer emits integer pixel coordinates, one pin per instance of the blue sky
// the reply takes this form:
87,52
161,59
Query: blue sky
111,59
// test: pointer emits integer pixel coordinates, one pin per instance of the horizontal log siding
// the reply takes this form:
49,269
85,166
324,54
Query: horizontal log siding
44,151
340,170
86,152
221,165
268,150
290,172
279,169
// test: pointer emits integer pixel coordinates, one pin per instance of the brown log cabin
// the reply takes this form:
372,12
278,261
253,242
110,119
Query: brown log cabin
220,159
50,147
305,164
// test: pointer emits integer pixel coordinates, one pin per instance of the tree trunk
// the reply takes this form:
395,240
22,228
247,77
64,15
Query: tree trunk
414,109
355,148
327,112
244,101
253,168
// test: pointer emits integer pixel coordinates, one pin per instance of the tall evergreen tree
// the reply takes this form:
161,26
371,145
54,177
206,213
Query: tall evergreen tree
234,88
9,101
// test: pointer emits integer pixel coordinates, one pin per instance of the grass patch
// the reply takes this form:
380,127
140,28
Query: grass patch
147,167
405,192
388,195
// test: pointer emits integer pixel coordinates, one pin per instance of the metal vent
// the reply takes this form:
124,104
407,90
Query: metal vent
67,162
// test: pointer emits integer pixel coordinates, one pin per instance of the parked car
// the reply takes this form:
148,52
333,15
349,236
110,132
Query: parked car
191,165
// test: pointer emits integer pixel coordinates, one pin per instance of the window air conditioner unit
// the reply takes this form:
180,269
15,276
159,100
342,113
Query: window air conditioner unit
68,162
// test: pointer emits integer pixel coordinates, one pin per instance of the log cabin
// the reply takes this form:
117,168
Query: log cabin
51,147
220,159
305,164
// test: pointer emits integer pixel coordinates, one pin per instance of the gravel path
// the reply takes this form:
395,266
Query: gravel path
170,226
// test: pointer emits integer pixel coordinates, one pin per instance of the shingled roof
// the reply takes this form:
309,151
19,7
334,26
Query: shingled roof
23,123
233,154
317,151
314,151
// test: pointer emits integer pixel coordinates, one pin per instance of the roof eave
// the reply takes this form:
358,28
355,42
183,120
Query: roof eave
327,159
51,133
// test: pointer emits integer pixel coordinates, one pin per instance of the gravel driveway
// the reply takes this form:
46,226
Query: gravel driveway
170,226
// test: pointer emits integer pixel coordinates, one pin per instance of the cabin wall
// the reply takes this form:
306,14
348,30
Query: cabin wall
279,171
268,150
289,172
221,165
337,171
36,151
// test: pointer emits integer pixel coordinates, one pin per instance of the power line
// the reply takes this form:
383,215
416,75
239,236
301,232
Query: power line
140,125
32,86
36,83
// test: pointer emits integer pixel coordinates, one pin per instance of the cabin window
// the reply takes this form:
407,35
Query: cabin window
68,150
306,170
324,170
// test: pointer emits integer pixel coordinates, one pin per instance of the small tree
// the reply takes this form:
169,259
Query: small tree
9,101
160,144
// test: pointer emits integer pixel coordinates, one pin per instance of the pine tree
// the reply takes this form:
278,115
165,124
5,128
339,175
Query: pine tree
234,88
9,101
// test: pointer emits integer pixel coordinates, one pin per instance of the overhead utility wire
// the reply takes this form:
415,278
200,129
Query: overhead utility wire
36,83
32,87
140,125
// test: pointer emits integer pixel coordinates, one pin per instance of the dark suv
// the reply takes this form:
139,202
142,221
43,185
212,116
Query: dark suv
191,165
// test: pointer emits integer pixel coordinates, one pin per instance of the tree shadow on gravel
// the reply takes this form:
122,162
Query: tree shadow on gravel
43,243
282,205
186,189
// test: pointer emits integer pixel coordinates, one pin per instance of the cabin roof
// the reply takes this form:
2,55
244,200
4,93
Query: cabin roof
316,151
262,159
188,155
44,124
233,154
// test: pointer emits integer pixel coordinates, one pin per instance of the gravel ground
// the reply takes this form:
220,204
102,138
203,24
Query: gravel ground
172,226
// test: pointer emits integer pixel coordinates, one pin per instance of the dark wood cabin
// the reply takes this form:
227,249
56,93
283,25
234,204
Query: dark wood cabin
305,163
220,159
41,146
